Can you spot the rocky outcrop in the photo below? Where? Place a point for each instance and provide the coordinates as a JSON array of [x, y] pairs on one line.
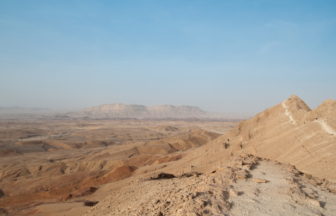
[[229, 189]]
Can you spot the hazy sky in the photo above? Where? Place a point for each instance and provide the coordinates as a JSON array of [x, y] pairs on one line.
[[224, 55]]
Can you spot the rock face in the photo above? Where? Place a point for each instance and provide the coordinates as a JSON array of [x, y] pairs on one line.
[[122, 110]]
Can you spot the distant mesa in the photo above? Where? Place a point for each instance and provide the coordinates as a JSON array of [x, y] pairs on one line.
[[121, 110]]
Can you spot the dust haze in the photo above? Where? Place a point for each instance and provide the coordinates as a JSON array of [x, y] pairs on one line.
[[160, 108]]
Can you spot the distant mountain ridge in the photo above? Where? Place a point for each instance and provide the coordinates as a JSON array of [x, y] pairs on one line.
[[122, 110]]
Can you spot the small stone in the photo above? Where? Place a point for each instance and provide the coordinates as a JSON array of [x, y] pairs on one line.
[[259, 180], [314, 202], [233, 192]]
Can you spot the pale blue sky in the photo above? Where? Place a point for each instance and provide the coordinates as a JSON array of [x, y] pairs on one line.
[[224, 56]]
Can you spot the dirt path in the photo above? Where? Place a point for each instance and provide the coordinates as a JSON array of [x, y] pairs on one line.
[[275, 198]]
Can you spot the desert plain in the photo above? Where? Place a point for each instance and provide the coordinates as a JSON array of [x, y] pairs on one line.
[[107, 161]]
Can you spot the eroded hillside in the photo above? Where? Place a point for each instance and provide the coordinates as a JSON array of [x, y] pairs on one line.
[[289, 132], [64, 161]]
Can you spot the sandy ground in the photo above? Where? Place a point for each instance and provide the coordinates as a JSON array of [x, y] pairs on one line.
[[273, 198]]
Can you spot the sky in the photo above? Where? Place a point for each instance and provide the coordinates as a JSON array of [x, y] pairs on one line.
[[220, 55]]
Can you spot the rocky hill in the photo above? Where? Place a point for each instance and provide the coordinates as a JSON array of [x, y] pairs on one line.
[[122, 110], [289, 132]]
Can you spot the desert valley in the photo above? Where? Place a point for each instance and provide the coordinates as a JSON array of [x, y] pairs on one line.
[[169, 160], [167, 108]]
